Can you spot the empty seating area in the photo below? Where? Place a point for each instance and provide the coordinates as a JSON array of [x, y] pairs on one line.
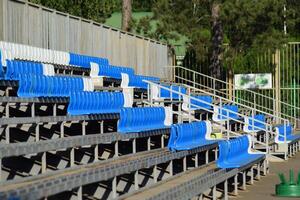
[[102, 131]]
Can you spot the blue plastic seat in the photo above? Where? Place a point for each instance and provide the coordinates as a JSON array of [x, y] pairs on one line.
[[164, 93], [202, 105], [15, 68], [48, 86], [188, 136], [258, 122], [138, 81], [84, 60], [141, 119], [287, 130], [114, 71], [228, 110], [1, 67], [95, 103], [235, 153], [24, 84]]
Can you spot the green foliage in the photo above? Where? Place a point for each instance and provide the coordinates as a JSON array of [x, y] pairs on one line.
[[177, 19], [97, 10], [251, 27], [293, 18], [142, 5]]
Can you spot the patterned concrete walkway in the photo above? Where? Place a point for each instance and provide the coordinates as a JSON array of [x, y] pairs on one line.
[[265, 188]]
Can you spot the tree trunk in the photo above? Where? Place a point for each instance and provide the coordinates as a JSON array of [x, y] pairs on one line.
[[216, 44], [126, 15], [230, 82]]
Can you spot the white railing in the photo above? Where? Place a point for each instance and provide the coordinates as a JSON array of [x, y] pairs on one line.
[[222, 88], [253, 109], [268, 127]]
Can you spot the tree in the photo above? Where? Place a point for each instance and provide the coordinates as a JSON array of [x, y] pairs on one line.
[[97, 10], [251, 27], [126, 15], [215, 66]]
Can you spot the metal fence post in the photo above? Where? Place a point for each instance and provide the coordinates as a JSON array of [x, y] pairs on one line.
[[277, 84]]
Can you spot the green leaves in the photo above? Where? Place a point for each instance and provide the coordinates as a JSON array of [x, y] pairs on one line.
[[97, 10], [250, 27]]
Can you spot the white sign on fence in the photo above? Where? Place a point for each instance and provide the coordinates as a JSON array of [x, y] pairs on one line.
[[253, 81]]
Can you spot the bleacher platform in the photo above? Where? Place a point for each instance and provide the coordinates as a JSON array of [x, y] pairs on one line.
[[76, 126]]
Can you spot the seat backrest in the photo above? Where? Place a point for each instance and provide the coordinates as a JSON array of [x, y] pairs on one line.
[[202, 103], [16, 68], [187, 135], [258, 122], [223, 151], [95, 102], [228, 110], [281, 130], [173, 137], [164, 93], [85, 60], [1, 66], [238, 146], [137, 81], [47, 86], [141, 118], [114, 71]]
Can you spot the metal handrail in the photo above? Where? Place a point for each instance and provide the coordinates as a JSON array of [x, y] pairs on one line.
[[214, 80], [268, 129], [232, 85], [242, 100], [237, 103]]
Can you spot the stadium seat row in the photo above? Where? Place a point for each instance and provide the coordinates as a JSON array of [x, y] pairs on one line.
[[202, 102], [26, 52], [137, 81], [236, 152], [85, 61], [142, 119], [255, 125], [30, 53], [15, 68], [222, 113], [49, 86], [95, 102], [161, 93], [287, 130], [114, 71], [189, 136]]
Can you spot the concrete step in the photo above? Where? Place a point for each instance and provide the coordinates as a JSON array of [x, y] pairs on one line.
[[274, 158]]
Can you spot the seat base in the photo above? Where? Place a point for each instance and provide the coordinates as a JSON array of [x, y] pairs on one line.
[[189, 146], [240, 161]]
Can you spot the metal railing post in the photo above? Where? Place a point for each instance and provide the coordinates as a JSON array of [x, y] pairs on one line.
[[190, 101], [285, 144], [214, 86], [228, 125], [194, 77]]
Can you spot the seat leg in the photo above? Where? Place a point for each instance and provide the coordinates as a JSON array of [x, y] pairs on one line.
[[258, 171], [235, 192], [214, 193], [244, 180], [252, 176], [226, 189]]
